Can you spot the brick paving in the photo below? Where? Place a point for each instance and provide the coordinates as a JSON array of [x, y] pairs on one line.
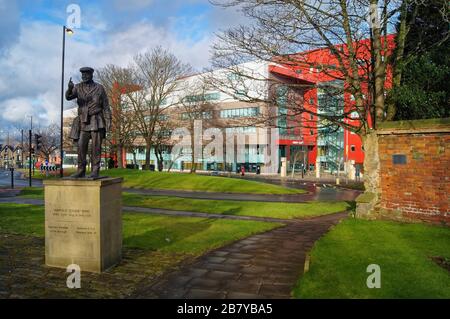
[[23, 273], [262, 266]]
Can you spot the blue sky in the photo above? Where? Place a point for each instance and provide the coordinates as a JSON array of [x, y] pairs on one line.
[[111, 32]]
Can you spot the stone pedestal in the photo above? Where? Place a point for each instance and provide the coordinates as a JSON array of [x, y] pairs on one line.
[[83, 223]]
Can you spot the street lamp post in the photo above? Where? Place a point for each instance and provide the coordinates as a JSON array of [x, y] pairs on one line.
[[69, 31], [29, 150]]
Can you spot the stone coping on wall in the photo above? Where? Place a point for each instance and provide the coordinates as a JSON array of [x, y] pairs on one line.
[[414, 126]]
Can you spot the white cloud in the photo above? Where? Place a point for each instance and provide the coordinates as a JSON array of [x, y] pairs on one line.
[[14, 109], [31, 69]]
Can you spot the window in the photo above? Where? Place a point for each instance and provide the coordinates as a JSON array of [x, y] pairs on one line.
[[196, 115], [354, 115], [241, 129], [241, 93], [311, 132], [212, 96], [352, 148], [241, 112], [205, 97], [126, 106], [311, 101], [311, 117], [233, 76]]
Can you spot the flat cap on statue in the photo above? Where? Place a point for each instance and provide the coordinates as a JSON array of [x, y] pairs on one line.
[[87, 69]]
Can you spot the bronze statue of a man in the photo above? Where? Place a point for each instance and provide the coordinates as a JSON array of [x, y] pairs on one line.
[[92, 122]]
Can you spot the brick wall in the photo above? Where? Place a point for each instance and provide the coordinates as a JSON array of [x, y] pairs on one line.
[[418, 188]]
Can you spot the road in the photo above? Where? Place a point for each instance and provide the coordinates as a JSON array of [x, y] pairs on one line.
[[5, 179]]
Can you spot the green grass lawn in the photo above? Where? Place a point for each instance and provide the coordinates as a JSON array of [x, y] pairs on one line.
[[241, 208], [403, 251], [47, 175], [32, 192], [185, 181], [194, 182], [187, 235]]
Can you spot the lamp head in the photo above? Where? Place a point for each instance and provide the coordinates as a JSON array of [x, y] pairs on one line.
[[69, 31]]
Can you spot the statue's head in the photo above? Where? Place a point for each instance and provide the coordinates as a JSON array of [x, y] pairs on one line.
[[87, 74]]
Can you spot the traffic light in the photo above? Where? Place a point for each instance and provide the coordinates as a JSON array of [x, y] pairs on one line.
[[38, 141]]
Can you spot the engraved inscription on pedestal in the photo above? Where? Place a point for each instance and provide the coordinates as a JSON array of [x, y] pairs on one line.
[[83, 223]]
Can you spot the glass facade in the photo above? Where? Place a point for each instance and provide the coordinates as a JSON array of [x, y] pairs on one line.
[[282, 92], [241, 112], [330, 137]]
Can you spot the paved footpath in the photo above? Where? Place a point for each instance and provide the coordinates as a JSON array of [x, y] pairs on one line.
[[266, 265], [8, 192]]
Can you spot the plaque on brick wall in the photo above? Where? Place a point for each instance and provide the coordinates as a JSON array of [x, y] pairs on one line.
[[399, 159]]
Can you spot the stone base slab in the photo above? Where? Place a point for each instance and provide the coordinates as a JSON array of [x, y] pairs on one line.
[[83, 223]]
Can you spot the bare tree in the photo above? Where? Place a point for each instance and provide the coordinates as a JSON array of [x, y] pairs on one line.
[[118, 83], [156, 72], [49, 137], [162, 141], [348, 41], [194, 107]]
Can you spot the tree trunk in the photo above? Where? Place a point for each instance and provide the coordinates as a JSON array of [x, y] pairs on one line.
[[148, 148], [170, 166], [119, 156], [379, 76], [371, 163], [193, 165], [159, 158], [398, 63]]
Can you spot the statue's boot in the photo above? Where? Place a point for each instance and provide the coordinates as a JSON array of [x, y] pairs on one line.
[[94, 173], [79, 174]]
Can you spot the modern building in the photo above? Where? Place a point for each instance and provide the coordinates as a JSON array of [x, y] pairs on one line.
[[243, 98]]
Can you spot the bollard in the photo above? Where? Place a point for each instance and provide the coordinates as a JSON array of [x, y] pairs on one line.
[[12, 177]]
